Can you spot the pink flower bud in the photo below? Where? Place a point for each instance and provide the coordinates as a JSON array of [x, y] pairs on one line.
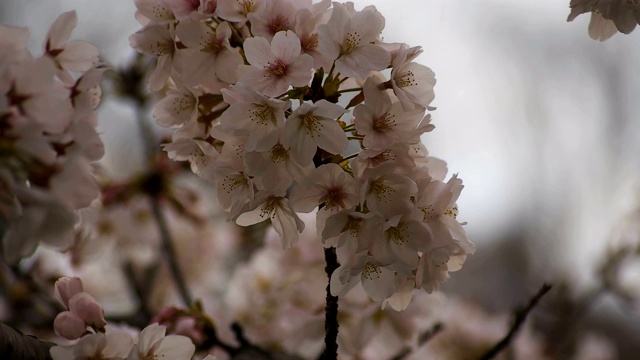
[[66, 287], [68, 325], [188, 327], [86, 308]]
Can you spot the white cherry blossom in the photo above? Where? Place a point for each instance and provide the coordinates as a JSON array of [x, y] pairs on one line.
[[153, 344]]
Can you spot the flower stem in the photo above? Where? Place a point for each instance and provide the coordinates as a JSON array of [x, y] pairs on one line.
[[350, 156], [350, 90], [170, 252], [331, 309]]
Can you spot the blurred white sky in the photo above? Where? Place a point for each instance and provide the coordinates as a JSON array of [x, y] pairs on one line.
[[528, 112]]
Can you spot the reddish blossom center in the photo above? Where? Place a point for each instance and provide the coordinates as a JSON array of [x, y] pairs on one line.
[[384, 123], [277, 69], [279, 23], [309, 43]]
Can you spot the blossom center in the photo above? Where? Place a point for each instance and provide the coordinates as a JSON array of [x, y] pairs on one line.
[[278, 154], [263, 115], [311, 125], [232, 182], [268, 209], [406, 79], [397, 234], [246, 6], [334, 197], [351, 42], [279, 23], [277, 69], [309, 43], [384, 123], [370, 271]]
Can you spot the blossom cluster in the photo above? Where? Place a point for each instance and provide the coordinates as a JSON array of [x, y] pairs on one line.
[[100, 342], [261, 97], [607, 16], [48, 138]]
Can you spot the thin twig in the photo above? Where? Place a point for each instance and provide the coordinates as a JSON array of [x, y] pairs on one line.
[[422, 339], [170, 252], [520, 317], [331, 309]]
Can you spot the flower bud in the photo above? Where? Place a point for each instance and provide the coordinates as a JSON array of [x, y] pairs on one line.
[[86, 308], [68, 325], [66, 288]]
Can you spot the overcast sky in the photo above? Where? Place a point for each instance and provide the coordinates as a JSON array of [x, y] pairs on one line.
[[540, 121]]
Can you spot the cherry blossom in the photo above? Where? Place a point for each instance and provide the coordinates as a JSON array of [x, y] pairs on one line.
[[276, 66], [156, 40], [76, 55], [152, 343], [112, 345], [206, 47], [412, 82], [349, 38], [275, 206], [314, 125], [330, 186]]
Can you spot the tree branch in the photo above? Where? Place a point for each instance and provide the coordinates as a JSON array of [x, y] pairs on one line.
[[520, 317], [17, 346], [331, 309]]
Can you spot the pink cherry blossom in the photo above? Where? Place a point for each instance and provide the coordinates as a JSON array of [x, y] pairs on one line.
[[383, 123], [412, 82], [207, 51], [276, 16], [68, 55], [275, 206], [237, 10], [314, 125], [156, 40], [350, 38], [329, 185], [276, 66], [255, 116]]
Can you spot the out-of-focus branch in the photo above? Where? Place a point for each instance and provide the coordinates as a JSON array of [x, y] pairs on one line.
[[170, 252], [15, 345], [422, 339], [520, 317]]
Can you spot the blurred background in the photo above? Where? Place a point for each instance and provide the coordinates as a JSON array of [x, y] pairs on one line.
[[541, 123]]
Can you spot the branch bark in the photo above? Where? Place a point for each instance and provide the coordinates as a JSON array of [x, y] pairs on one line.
[[17, 346]]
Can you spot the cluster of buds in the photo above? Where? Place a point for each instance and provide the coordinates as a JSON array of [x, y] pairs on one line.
[[48, 138], [85, 322], [288, 107], [82, 310], [607, 16]]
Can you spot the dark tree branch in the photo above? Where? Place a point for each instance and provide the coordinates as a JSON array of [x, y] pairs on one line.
[[15, 345], [520, 317], [331, 309]]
